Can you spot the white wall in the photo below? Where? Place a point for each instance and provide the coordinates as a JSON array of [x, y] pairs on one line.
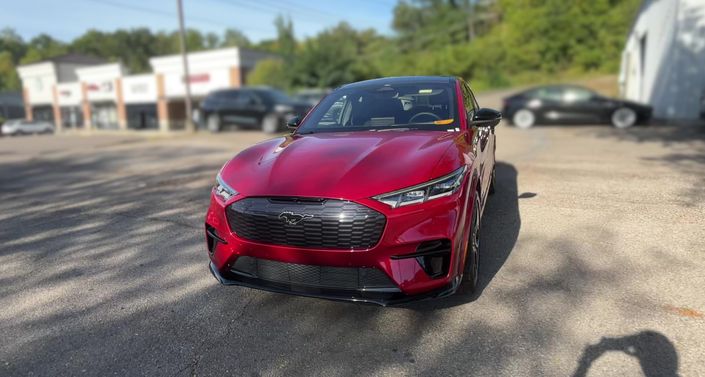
[[38, 79], [208, 70], [671, 76], [202, 82], [69, 94], [100, 81], [139, 89]]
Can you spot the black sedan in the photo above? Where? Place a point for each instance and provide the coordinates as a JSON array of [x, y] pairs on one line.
[[571, 104], [249, 107]]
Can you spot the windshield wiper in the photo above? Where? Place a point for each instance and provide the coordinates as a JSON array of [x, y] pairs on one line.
[[390, 129]]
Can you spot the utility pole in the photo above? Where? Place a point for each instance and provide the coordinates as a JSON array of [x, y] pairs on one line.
[[187, 82]]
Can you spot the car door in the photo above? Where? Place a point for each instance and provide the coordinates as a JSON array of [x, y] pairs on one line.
[[581, 106], [483, 142], [243, 110], [545, 103]]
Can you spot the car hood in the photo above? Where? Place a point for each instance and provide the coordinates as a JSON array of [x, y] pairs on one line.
[[343, 165]]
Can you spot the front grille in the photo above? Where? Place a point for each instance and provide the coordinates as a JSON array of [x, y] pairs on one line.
[[326, 277], [310, 223]]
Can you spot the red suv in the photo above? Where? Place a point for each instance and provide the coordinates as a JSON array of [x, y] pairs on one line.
[[376, 196]]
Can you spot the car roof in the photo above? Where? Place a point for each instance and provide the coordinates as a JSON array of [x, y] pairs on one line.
[[559, 86], [402, 80]]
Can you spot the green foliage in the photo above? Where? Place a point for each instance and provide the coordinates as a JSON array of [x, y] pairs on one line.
[[235, 38], [8, 73], [270, 72], [490, 42]]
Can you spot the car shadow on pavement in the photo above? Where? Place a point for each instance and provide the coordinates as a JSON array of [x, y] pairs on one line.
[[500, 229], [655, 352]]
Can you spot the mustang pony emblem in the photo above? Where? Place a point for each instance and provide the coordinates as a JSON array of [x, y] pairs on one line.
[[293, 218]]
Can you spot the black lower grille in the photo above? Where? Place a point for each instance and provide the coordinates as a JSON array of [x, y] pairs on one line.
[[312, 223], [344, 278]]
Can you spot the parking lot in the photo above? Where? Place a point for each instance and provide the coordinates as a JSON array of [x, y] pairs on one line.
[[592, 263]]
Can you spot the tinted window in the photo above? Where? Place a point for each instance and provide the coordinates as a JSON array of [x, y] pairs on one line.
[[246, 98], [469, 100], [229, 95], [549, 93], [574, 94], [407, 106], [278, 96]]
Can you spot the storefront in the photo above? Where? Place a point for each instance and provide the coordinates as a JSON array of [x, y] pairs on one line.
[[208, 71], [102, 91], [69, 99], [75, 91], [139, 94], [38, 82]]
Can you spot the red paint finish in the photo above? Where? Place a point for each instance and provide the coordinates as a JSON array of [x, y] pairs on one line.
[[357, 166]]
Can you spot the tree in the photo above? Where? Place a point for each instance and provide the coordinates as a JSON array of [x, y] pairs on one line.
[[42, 47], [8, 73], [11, 42], [235, 38], [286, 41], [270, 72]]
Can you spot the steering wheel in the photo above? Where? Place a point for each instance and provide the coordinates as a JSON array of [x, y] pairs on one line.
[[434, 116]]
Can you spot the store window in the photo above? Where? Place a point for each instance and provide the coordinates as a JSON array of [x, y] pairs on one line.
[[104, 116]]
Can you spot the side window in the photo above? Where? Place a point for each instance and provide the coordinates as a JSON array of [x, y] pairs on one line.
[[244, 99], [469, 100], [335, 114], [549, 93], [576, 95], [226, 98]]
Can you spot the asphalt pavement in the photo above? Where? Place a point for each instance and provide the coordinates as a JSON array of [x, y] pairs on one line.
[[592, 264]]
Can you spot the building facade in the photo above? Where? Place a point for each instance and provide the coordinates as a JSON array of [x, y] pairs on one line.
[[95, 95], [40, 81], [663, 62]]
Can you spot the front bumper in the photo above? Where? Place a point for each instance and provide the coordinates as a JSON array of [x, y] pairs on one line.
[[406, 231], [368, 297]]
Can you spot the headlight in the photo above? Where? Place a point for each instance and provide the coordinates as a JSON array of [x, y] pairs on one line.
[[222, 189], [430, 190]]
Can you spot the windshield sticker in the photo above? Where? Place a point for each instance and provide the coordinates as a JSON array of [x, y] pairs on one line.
[[443, 122]]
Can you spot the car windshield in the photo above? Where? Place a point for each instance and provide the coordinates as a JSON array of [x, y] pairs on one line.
[[382, 107]]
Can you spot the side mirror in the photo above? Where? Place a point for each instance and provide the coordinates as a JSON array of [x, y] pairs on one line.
[[293, 123], [485, 117]]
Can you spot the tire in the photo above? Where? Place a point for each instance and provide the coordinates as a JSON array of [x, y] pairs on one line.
[[623, 117], [524, 118], [472, 260], [270, 124], [493, 181], [213, 123]]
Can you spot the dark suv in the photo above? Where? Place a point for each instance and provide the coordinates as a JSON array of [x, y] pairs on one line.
[[264, 108]]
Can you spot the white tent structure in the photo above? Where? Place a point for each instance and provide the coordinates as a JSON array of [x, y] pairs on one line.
[[663, 62]]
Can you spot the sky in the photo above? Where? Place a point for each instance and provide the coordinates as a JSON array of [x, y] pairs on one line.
[[67, 19]]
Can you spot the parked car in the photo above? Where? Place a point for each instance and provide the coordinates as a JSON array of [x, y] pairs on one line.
[[311, 96], [571, 104], [22, 126], [264, 108], [376, 196]]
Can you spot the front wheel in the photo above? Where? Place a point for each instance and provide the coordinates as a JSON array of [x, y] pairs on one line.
[[623, 117], [524, 119], [472, 259]]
